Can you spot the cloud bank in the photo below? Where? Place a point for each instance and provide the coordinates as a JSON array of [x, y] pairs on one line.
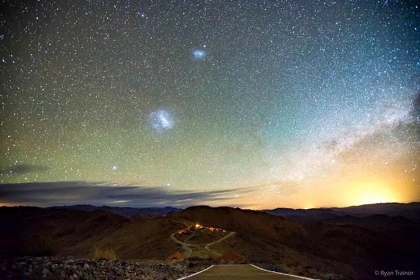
[[69, 193], [22, 169]]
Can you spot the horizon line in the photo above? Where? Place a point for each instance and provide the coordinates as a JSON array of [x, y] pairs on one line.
[[203, 205]]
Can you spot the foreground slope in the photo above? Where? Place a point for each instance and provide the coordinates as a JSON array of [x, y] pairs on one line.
[[37, 231]]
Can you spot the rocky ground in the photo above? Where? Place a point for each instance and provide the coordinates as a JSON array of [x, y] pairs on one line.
[[54, 268]]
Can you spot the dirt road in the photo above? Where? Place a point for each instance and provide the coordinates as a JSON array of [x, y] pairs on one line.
[[188, 250], [217, 241], [239, 272], [185, 246]]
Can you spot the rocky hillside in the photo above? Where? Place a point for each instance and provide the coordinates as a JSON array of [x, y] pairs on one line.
[[53, 268]]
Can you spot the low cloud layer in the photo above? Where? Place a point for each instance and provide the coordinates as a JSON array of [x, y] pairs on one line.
[[22, 169], [69, 193]]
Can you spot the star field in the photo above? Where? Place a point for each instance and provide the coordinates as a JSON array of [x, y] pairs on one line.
[[264, 103]]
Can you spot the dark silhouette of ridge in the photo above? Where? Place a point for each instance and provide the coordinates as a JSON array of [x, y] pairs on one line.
[[407, 210], [129, 212]]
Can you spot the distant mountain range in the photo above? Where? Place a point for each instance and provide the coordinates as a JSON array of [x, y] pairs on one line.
[[406, 210], [128, 212]]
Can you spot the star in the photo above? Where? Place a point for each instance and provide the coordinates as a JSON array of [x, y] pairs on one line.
[[214, 96], [141, 15]]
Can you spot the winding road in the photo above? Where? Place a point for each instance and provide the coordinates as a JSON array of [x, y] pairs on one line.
[[188, 250], [217, 241], [185, 246], [231, 272]]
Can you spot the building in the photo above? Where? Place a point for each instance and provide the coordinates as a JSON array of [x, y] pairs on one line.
[[177, 256]]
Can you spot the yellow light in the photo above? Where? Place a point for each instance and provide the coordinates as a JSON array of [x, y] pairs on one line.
[[373, 192], [197, 225], [308, 206], [371, 198]]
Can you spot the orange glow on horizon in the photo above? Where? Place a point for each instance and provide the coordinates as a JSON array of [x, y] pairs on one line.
[[7, 204], [373, 192], [341, 192]]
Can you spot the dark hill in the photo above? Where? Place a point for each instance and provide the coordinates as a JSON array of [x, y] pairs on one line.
[[38, 231]]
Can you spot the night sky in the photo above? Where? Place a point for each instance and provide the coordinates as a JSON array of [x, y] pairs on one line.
[[258, 104]]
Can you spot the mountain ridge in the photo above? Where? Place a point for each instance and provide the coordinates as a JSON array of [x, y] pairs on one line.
[[123, 211]]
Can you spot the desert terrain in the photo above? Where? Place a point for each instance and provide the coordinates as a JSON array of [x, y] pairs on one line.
[[334, 243]]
